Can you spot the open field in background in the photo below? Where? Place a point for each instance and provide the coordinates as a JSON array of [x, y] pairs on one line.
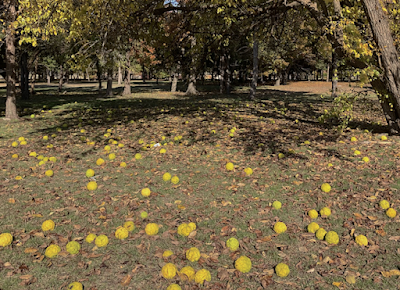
[[200, 135]]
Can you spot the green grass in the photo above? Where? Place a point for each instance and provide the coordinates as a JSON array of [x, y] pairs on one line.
[[222, 204]]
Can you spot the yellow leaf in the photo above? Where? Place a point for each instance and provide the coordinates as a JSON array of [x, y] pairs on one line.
[[337, 284], [11, 200], [351, 279], [391, 273]]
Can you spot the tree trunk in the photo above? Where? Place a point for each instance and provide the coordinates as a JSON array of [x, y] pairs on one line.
[[334, 74], [143, 74], [327, 73], [278, 80], [127, 75], [87, 75], [222, 75], [174, 82], [228, 75], [60, 79], [119, 75], [389, 84], [109, 92], [11, 106], [48, 76], [98, 72], [191, 90], [33, 82], [24, 85]]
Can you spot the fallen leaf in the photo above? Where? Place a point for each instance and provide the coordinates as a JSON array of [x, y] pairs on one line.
[[391, 273], [30, 250], [351, 279], [126, 280]]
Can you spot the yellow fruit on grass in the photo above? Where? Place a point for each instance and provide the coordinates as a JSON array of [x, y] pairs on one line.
[[169, 271], [384, 204], [353, 139], [332, 238], [229, 166], [248, 171], [167, 253], [33, 154], [313, 213], [325, 187], [232, 244], [312, 227], [92, 185], [138, 156], [75, 286], [151, 229], [14, 156], [192, 226], [174, 287], [111, 156], [383, 138], [129, 225], [146, 192], [175, 179], [184, 230], [362, 240], [121, 233], [89, 173], [53, 159], [391, 212], [52, 251], [365, 159], [101, 241], [48, 225], [122, 164], [187, 273], [280, 227], [100, 161], [143, 214], [326, 211], [90, 238], [281, 155], [282, 270], [163, 151], [49, 173], [320, 234], [20, 139], [5, 239], [14, 144], [193, 254], [356, 152], [73, 247], [107, 148], [202, 275], [277, 204], [243, 264], [166, 176]]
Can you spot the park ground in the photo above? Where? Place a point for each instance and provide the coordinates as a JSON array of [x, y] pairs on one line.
[[278, 136]]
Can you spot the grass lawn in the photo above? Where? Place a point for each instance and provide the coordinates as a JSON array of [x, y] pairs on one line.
[[278, 136]]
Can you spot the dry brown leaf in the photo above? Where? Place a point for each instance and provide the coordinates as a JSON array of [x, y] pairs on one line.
[[126, 280], [395, 238], [30, 250], [26, 277], [357, 215]]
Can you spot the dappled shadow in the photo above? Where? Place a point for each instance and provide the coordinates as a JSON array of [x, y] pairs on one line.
[[274, 123]]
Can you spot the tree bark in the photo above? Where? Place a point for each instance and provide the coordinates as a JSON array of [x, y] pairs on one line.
[[33, 82], [334, 74], [24, 75], [119, 75], [327, 73], [174, 82], [253, 86], [191, 90], [109, 92], [99, 72], [127, 75], [389, 84], [222, 75], [143, 74], [60, 78], [11, 102]]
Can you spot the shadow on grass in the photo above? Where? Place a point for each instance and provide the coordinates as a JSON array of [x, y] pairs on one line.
[[295, 113]]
